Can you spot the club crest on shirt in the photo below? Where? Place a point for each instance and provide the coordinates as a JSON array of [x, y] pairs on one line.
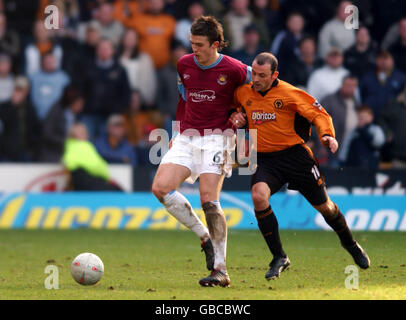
[[278, 104], [222, 79], [248, 103]]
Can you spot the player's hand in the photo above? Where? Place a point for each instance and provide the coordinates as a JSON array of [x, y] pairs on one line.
[[330, 142], [238, 119]]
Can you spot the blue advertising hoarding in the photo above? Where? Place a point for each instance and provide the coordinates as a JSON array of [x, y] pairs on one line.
[[141, 210]]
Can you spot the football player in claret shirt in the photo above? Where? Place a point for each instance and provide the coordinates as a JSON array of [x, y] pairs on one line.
[[207, 80], [282, 115]]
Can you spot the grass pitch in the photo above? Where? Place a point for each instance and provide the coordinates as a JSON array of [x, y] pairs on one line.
[[153, 265]]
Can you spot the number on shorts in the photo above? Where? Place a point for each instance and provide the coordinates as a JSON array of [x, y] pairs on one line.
[[217, 158], [316, 172]]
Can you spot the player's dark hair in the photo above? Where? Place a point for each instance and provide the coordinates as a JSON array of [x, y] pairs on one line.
[[208, 26], [267, 58]]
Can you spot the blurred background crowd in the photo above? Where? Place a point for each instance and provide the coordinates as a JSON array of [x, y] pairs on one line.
[[107, 76]]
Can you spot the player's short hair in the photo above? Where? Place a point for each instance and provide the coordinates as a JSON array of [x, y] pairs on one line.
[[208, 26], [267, 58]]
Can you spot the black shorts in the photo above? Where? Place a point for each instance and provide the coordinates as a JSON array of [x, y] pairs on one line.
[[296, 167]]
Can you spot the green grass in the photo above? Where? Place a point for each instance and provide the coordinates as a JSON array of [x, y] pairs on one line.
[[149, 264]]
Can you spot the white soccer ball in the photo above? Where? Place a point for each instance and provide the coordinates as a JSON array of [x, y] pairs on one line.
[[87, 269]]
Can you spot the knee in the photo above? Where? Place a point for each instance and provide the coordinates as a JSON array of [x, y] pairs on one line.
[[206, 197], [160, 190], [260, 197], [327, 209]]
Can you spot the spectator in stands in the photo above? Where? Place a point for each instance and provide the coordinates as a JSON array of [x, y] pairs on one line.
[[19, 126], [41, 45], [235, 20], [286, 43], [20, 16], [392, 120], [268, 18], [106, 88], [182, 30], [79, 60], [328, 79], [47, 85], [251, 46], [387, 14], [316, 12], [126, 10], [139, 66], [342, 107], [155, 30], [114, 146], [361, 146], [6, 78], [135, 118], [334, 33], [398, 48], [108, 26], [382, 84], [167, 93], [298, 71], [57, 124], [88, 170], [360, 58], [9, 42]]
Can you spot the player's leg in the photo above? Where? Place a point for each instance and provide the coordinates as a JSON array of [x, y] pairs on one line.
[[168, 178], [210, 186], [308, 180], [262, 182], [335, 219]]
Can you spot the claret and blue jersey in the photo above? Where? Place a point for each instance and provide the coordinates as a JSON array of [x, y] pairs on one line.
[[207, 91]]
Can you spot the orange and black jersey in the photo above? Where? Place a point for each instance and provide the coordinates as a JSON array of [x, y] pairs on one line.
[[282, 116]]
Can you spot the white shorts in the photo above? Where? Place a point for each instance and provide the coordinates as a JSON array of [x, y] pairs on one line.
[[202, 154]]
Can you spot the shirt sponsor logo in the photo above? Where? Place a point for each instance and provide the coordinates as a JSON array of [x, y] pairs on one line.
[[203, 96], [259, 117]]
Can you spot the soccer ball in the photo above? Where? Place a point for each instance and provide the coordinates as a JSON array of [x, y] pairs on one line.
[[87, 269]]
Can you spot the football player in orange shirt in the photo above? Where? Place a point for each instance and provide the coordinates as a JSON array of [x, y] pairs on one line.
[[282, 115]]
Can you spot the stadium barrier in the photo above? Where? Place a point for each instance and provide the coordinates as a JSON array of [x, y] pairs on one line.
[[142, 211], [46, 177]]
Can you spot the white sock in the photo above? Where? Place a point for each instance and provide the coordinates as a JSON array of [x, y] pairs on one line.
[[219, 239], [178, 206]]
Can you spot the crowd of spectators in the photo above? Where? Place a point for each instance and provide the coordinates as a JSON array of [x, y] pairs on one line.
[[110, 69]]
